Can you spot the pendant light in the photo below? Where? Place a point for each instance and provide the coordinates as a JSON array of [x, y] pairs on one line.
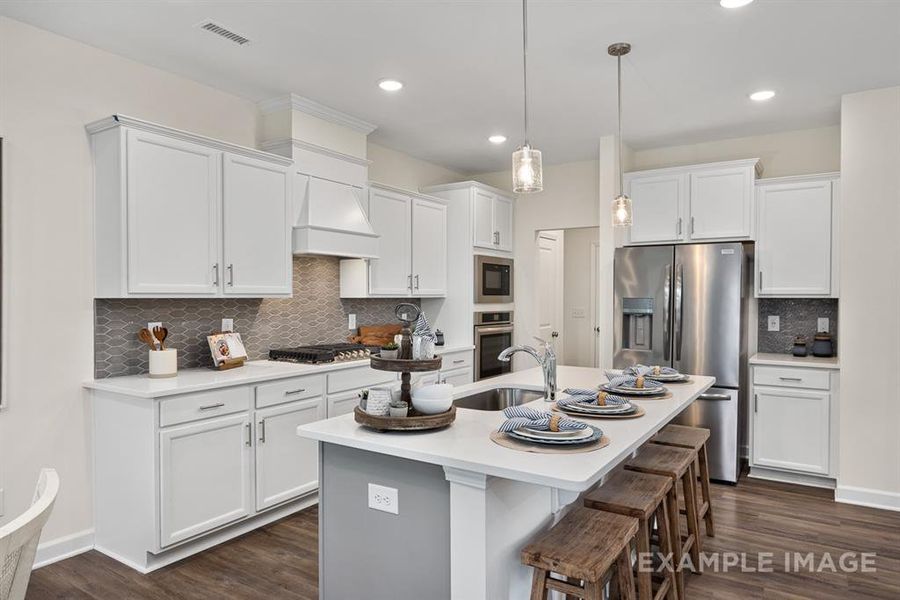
[[526, 161], [621, 206]]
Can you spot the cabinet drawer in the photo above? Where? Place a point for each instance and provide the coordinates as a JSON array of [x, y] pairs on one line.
[[288, 390], [203, 405], [457, 360], [816, 379], [357, 378]]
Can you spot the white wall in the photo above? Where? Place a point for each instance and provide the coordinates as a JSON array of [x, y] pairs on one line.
[[579, 335], [404, 171], [870, 298]]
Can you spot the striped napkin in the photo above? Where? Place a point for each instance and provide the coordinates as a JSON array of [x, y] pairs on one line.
[[632, 381], [591, 397], [520, 416], [651, 371]]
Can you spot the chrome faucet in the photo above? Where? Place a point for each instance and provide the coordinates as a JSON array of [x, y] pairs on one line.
[[547, 360]]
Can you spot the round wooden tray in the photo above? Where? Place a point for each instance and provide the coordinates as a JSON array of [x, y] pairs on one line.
[[405, 365], [412, 423]]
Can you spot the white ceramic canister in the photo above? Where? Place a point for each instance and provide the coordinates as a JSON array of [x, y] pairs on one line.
[[163, 363], [378, 403]]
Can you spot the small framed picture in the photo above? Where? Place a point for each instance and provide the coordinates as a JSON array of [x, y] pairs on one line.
[[226, 348]]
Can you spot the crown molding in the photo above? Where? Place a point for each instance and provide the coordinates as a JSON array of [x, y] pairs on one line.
[[280, 145], [311, 107], [461, 185]]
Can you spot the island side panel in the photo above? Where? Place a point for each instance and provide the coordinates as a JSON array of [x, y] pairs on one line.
[[365, 553]]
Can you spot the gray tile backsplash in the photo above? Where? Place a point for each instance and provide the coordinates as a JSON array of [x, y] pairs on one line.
[[315, 314], [798, 317]]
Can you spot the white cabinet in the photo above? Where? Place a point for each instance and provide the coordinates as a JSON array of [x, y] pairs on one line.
[[391, 218], [457, 376], [181, 215], [204, 471], [492, 220], [797, 240], [692, 204], [342, 403], [429, 248], [287, 466]]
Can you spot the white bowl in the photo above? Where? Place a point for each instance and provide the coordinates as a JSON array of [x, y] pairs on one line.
[[432, 405], [434, 391]]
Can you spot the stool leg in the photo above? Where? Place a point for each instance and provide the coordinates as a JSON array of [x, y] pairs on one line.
[[593, 591], [704, 484], [624, 575], [645, 584], [675, 536], [688, 483], [538, 587], [665, 546]]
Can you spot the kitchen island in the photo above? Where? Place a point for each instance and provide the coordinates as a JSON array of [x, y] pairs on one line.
[[464, 505]]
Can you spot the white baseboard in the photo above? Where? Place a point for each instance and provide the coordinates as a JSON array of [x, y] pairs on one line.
[[791, 477], [849, 494], [67, 546]]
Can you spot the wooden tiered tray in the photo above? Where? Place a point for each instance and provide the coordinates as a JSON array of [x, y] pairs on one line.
[[405, 366]]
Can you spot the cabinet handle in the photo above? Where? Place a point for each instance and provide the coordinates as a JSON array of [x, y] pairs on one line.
[[216, 277], [249, 441], [692, 225], [459, 362], [417, 282], [230, 274], [791, 378], [292, 392], [679, 227], [262, 431], [755, 402], [409, 285], [212, 406], [760, 280]]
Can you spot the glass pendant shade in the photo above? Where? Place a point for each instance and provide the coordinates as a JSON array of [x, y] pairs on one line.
[[527, 171], [621, 211]]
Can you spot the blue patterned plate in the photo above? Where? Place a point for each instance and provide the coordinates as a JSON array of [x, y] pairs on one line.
[[596, 435]]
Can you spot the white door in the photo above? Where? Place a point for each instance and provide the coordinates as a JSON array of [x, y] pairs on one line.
[[503, 223], [483, 219], [390, 215], [791, 430], [173, 216], [256, 211], [721, 204], [287, 466], [429, 248], [343, 403], [204, 472], [657, 203], [550, 289], [793, 246]]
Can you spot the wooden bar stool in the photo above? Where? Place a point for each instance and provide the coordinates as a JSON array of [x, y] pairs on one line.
[[583, 547], [642, 496], [676, 464], [695, 439]]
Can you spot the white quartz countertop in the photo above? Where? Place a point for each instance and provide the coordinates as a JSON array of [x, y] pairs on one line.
[[196, 380], [466, 444], [789, 360]]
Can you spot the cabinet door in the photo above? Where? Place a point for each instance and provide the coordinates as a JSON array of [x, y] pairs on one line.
[[287, 466], [390, 215], [791, 430], [204, 471], [343, 403], [429, 248], [721, 204], [503, 223], [656, 203], [457, 376], [173, 216], [256, 216], [793, 247], [483, 219]]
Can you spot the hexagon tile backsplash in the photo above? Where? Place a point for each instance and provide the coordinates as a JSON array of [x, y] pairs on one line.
[[315, 314]]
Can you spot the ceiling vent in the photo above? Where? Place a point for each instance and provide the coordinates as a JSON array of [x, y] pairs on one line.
[[213, 27]]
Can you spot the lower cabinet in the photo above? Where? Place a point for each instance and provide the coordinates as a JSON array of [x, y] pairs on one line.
[[457, 376]]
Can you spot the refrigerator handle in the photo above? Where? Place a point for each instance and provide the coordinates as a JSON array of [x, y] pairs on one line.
[[667, 332], [679, 305]]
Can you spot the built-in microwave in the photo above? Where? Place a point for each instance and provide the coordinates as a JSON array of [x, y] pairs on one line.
[[493, 280]]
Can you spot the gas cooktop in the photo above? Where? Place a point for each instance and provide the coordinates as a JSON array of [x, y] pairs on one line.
[[321, 353]]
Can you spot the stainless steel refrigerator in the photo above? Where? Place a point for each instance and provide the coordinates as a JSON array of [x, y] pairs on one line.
[[686, 306]]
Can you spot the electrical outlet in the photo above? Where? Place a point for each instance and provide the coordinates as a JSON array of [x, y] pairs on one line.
[[351, 321], [384, 499], [774, 323], [227, 325], [822, 324], [153, 324]]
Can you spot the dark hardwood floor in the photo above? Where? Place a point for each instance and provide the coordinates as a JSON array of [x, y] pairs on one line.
[[280, 561]]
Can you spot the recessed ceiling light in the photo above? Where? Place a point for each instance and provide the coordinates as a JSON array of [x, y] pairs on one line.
[[497, 139], [734, 3], [390, 85], [762, 95]]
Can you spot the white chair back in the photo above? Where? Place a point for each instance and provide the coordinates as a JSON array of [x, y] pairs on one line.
[[19, 538]]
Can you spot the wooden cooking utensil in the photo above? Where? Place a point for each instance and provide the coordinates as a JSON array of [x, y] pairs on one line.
[[145, 336], [161, 333]]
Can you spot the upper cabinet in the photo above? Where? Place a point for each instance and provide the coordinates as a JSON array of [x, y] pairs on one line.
[[492, 220], [181, 215], [797, 236], [711, 202]]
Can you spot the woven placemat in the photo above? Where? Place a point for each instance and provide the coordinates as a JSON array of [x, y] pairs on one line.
[[640, 412], [501, 439]]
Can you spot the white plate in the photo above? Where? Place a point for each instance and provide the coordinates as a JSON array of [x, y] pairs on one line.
[[658, 391], [669, 377], [600, 410], [575, 434]]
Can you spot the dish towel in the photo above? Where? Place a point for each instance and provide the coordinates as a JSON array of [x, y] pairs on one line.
[[634, 382], [592, 397], [423, 329], [649, 371], [519, 416]]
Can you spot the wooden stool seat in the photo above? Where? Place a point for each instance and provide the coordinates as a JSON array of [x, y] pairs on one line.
[[682, 436], [662, 460], [583, 546]]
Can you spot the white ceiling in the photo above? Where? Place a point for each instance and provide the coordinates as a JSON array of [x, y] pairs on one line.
[[686, 81]]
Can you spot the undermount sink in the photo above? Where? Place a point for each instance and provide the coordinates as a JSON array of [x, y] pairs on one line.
[[498, 398]]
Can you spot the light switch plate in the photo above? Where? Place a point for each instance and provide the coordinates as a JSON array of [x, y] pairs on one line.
[[351, 321], [227, 325], [774, 323], [578, 312], [384, 499], [822, 324]]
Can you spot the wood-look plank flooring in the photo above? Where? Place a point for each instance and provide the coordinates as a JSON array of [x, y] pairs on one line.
[[280, 560]]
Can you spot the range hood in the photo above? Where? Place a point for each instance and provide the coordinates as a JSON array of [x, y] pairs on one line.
[[331, 219]]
